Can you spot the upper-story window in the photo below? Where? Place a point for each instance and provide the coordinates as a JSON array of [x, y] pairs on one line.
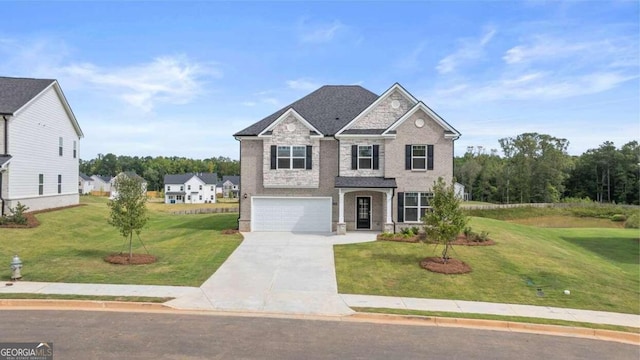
[[75, 149], [212, 188], [419, 157], [188, 187], [60, 146], [168, 187], [181, 187], [200, 187], [364, 157], [292, 157]]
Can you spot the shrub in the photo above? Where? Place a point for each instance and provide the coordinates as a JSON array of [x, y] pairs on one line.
[[415, 230], [468, 233], [18, 214], [406, 231], [618, 217], [387, 235], [633, 221], [484, 236]]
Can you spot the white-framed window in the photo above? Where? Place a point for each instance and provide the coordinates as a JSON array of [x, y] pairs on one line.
[[188, 197], [199, 197], [188, 187], [179, 197], [212, 197], [418, 157], [75, 149], [181, 187], [168, 187], [200, 187], [365, 157], [291, 157], [416, 204], [40, 184], [60, 146], [170, 197], [212, 188], [59, 184]]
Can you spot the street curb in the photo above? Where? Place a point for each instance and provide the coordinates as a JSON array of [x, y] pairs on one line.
[[26, 304], [414, 320], [499, 325]]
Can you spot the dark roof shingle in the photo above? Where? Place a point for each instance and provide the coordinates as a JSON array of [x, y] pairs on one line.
[[207, 178], [16, 92], [328, 109]]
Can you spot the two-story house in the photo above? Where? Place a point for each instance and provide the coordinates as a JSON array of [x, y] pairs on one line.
[[343, 158], [101, 183], [198, 188], [130, 174], [39, 145], [230, 185]]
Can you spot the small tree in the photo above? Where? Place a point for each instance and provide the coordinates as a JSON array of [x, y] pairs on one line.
[[128, 208], [447, 220]]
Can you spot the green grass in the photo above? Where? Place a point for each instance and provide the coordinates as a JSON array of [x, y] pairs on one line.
[[599, 267], [85, 297], [521, 319], [69, 246]]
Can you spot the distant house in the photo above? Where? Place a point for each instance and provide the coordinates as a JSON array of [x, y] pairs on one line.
[[130, 174], [190, 188], [459, 191], [230, 186], [101, 183], [85, 184], [39, 145]]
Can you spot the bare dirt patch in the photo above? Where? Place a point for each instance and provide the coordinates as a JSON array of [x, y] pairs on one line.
[[464, 241], [136, 259], [229, 231], [453, 266]]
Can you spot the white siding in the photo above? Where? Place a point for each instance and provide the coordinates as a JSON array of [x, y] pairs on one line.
[[33, 143], [192, 195]]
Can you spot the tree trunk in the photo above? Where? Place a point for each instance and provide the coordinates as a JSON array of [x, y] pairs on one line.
[[130, 247]]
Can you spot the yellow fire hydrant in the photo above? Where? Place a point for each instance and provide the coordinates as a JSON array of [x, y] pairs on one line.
[[16, 266]]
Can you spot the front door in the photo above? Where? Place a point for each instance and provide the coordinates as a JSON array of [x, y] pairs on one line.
[[363, 213]]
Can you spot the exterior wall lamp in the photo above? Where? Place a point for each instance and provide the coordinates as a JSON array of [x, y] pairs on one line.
[[245, 195]]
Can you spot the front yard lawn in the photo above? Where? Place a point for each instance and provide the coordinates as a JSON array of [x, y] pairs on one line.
[[70, 244], [599, 266]]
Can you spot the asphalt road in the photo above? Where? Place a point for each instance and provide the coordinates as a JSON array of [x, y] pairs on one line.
[[116, 335]]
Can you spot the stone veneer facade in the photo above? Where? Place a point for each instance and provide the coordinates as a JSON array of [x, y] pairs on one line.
[[383, 115]]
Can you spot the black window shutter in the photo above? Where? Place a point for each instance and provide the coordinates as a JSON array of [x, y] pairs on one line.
[[429, 157], [354, 157], [274, 150], [407, 157], [400, 207], [309, 157], [376, 162]]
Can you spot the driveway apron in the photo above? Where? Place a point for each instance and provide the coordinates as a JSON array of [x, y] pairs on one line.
[[277, 272]]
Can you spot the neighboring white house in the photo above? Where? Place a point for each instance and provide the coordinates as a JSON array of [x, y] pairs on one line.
[[190, 188], [131, 174], [85, 184], [230, 186], [101, 183], [39, 145], [458, 189]]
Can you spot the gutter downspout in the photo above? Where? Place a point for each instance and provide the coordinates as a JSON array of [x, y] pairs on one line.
[[6, 150]]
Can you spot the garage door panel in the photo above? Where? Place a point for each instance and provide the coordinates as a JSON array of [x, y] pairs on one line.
[[291, 214]]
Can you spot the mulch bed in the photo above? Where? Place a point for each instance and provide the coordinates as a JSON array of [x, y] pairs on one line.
[[229, 231], [462, 240], [136, 259], [31, 219], [453, 266]]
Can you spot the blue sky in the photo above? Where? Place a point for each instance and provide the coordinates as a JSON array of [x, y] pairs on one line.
[[179, 78]]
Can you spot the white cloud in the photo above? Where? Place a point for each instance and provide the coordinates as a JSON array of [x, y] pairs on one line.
[[174, 80], [320, 33], [302, 84], [469, 50]]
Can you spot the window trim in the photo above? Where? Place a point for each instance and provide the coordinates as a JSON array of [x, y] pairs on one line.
[[419, 206], [291, 157], [40, 184], [370, 157], [59, 183], [414, 157], [75, 152], [60, 146]]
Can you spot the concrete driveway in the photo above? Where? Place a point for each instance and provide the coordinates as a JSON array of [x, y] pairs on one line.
[[277, 272]]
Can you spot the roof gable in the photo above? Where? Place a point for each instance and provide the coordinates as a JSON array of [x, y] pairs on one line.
[[450, 131], [395, 87], [178, 179], [286, 114], [327, 109], [234, 179], [17, 93]]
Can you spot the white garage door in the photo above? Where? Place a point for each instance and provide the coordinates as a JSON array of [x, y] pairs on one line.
[[309, 214]]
